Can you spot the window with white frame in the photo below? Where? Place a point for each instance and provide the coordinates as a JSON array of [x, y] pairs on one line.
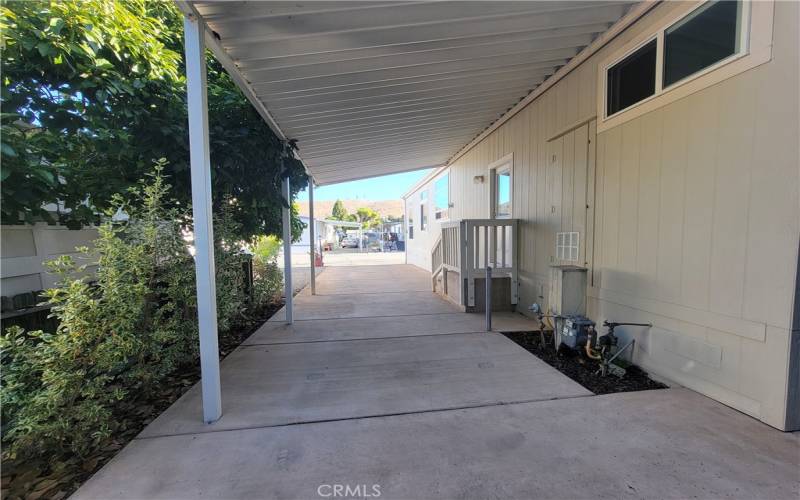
[[441, 197], [710, 34], [502, 191], [684, 55]]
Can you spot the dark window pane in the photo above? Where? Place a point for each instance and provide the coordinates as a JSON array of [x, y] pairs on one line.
[[632, 79], [705, 37]]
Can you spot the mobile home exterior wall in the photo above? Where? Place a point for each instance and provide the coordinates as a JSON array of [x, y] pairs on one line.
[[687, 214], [421, 198]]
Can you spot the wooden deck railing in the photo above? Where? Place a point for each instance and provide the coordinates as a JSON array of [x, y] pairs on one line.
[[468, 246], [436, 261]]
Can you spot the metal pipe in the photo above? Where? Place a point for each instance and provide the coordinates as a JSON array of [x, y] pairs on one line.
[[287, 253], [503, 235], [603, 371], [488, 298], [312, 242], [616, 355], [486, 247], [590, 353]]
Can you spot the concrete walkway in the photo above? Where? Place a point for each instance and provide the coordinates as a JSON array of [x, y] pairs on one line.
[[380, 385]]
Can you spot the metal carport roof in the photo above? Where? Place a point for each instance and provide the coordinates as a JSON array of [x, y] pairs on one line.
[[372, 88]]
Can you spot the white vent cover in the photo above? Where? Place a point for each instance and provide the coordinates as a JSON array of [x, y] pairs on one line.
[[567, 245]]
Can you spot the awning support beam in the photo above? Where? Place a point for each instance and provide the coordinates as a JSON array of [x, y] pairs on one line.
[[287, 252], [312, 243], [199, 150]]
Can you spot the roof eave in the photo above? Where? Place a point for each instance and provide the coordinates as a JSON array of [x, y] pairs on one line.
[[225, 60]]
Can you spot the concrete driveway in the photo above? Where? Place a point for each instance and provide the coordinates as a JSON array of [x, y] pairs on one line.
[[385, 388]]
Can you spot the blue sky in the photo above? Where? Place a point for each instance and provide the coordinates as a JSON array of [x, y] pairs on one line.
[[388, 187]]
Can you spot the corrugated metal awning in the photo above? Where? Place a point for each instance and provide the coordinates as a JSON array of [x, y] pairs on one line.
[[371, 88]]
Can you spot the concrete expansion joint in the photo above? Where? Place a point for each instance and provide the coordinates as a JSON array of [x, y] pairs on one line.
[[397, 337], [370, 417], [376, 318]]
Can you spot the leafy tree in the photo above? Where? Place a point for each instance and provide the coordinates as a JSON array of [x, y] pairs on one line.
[[368, 217], [93, 91], [339, 212], [79, 81], [248, 161]]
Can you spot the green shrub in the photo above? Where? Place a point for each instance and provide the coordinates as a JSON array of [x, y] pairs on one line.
[[228, 259], [267, 281], [267, 276], [266, 248], [123, 333], [121, 336]]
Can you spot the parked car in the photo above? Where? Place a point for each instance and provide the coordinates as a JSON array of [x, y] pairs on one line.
[[350, 242]]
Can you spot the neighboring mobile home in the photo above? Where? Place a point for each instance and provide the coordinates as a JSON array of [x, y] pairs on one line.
[[666, 163]]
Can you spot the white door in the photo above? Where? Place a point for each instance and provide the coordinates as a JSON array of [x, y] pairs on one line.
[[570, 181], [501, 206], [501, 188]]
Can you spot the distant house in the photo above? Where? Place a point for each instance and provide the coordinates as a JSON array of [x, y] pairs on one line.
[[326, 232]]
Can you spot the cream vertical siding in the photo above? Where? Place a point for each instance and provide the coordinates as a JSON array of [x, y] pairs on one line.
[[688, 215]]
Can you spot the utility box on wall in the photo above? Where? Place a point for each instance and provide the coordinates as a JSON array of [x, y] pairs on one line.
[[568, 290]]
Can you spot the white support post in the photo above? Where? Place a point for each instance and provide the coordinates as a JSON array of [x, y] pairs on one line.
[[203, 221], [312, 243], [468, 260], [514, 262], [287, 253]]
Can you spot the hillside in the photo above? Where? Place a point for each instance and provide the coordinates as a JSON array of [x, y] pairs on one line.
[[322, 209]]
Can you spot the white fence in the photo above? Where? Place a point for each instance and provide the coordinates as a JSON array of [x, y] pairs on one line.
[[469, 246], [25, 249]]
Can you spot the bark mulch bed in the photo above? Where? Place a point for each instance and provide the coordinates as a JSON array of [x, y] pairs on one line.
[[60, 479], [581, 369]]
